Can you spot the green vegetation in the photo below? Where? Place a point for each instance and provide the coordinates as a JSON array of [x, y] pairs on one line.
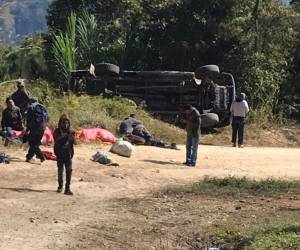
[[284, 235], [64, 49], [273, 228], [276, 229], [226, 213], [257, 41], [239, 187]]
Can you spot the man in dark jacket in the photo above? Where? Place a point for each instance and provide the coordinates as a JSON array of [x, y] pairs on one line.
[[37, 119], [193, 123], [11, 119], [64, 150], [21, 97]]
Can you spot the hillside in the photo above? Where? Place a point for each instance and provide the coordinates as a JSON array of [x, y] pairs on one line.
[[20, 18]]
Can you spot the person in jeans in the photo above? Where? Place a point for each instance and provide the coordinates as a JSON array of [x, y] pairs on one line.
[[239, 109], [193, 123], [64, 140]]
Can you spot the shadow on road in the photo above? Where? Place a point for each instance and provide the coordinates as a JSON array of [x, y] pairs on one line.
[[164, 162], [26, 190]]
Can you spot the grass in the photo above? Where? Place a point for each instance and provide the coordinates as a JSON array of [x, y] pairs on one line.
[[281, 235], [252, 227], [238, 187], [88, 111]]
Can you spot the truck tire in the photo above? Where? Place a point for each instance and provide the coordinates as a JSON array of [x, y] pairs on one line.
[[107, 69], [207, 70], [209, 120]]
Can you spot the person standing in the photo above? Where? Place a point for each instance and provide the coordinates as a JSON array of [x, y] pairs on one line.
[[239, 109], [11, 119], [37, 119], [193, 124], [64, 141], [21, 97]]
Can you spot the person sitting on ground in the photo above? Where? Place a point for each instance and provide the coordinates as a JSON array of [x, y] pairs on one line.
[[37, 119], [239, 109], [64, 139], [21, 97], [11, 120]]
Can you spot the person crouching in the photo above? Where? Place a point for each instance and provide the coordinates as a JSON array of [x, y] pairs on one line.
[[64, 140]]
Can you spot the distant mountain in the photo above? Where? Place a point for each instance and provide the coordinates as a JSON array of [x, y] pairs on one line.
[[19, 18]]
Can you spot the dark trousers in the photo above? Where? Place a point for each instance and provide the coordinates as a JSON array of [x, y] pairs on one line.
[[64, 162], [34, 140], [142, 132], [238, 124]]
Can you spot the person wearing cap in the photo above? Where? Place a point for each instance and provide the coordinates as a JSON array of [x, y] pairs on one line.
[[11, 119], [193, 129], [239, 110], [21, 97]]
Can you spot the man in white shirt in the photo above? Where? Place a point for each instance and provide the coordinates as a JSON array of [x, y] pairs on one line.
[[239, 109]]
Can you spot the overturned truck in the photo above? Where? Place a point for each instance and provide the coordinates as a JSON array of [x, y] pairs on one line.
[[163, 93]]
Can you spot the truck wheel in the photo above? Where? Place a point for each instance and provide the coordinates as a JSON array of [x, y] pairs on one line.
[[207, 71], [209, 120], [107, 69]]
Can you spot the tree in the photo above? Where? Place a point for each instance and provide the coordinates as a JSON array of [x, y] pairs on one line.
[[26, 60], [64, 49]]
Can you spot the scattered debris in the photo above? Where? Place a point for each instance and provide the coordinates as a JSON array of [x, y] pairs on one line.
[[102, 158], [4, 158]]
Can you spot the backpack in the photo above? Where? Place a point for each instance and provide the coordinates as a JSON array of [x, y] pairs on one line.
[[40, 114]]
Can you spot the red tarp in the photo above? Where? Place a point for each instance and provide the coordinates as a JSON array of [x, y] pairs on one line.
[[93, 134], [89, 134], [49, 155], [47, 137]]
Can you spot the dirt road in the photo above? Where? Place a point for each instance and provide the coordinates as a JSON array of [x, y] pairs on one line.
[[33, 216]]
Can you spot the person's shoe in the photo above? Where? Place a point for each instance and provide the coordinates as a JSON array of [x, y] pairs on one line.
[[241, 145], [30, 160], [233, 145], [68, 192], [193, 165], [42, 160], [59, 189]]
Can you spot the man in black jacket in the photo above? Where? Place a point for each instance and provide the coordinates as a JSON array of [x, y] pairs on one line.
[[37, 119]]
